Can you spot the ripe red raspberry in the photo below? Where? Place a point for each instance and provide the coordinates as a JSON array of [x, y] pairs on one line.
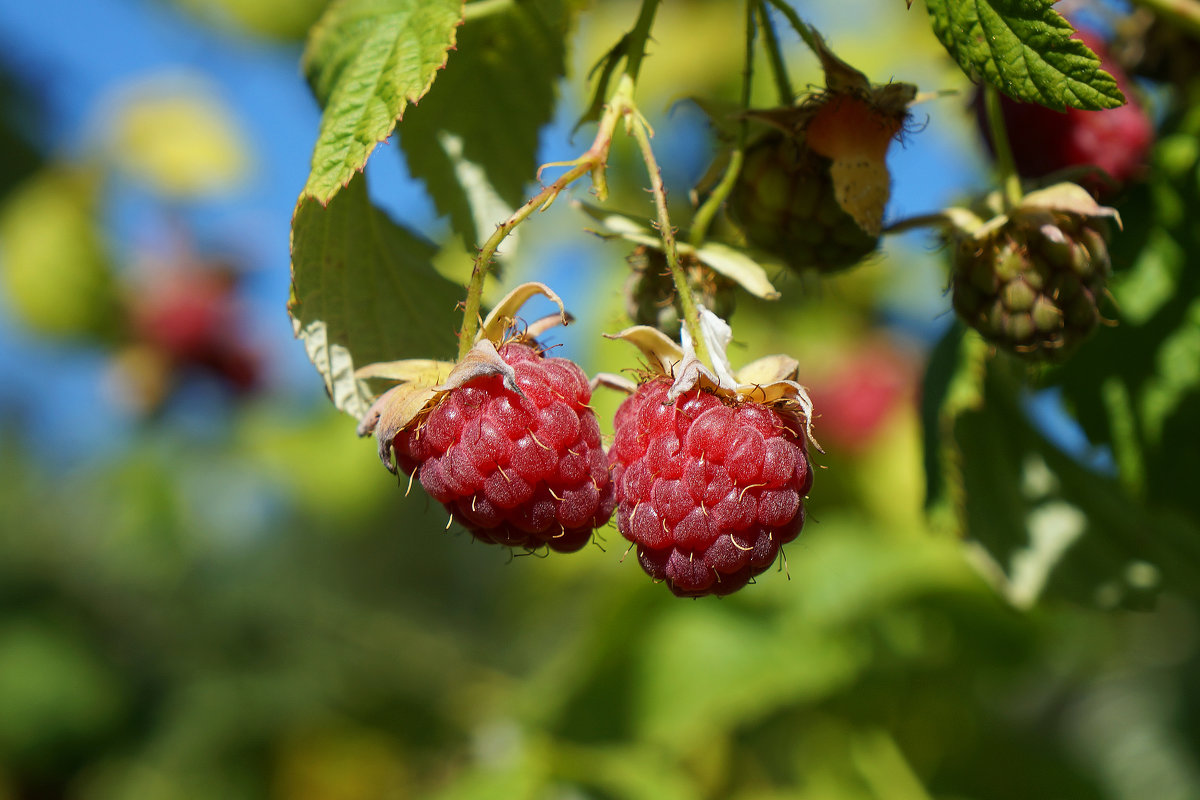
[[707, 490], [523, 471]]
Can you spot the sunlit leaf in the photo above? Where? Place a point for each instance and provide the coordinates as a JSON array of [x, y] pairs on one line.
[[366, 60], [1024, 48]]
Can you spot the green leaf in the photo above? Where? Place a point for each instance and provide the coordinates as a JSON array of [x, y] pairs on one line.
[[1036, 521], [364, 290], [1023, 48], [750, 669], [474, 141], [366, 60], [1136, 385]]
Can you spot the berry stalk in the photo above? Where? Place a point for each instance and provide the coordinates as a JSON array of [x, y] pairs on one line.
[[783, 84], [593, 161], [1010, 180], [691, 315], [708, 209]]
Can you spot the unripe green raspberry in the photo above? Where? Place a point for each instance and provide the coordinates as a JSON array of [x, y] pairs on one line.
[[784, 203], [650, 291], [1032, 285]]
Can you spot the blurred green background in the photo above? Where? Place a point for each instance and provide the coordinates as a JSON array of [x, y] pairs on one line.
[[209, 588]]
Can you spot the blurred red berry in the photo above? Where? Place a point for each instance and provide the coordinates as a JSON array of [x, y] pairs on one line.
[[193, 317], [857, 399]]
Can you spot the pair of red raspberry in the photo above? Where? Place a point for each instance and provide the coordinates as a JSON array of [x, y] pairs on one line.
[[705, 489]]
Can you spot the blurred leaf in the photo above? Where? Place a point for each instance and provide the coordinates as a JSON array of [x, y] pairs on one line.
[[276, 19], [629, 771], [54, 266], [847, 573], [364, 290], [474, 140], [178, 136], [343, 764], [21, 124], [512, 767], [884, 767], [749, 669], [1038, 522], [54, 691], [1024, 48], [953, 383], [326, 473], [366, 60]]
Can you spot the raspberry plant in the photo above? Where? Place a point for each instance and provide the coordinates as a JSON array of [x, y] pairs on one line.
[[802, 186]]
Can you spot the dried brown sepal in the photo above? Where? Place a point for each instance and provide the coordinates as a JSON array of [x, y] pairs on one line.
[[769, 380], [503, 316], [852, 123], [424, 382], [392, 412]]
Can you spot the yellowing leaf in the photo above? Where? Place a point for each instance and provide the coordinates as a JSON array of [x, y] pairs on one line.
[[53, 266]]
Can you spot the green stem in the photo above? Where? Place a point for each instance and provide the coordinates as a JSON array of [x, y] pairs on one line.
[[1184, 14], [638, 37], [783, 84], [591, 161], [1005, 166], [802, 28], [708, 209], [691, 315]]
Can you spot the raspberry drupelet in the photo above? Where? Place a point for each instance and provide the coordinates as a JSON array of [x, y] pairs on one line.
[[708, 488], [520, 469]]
